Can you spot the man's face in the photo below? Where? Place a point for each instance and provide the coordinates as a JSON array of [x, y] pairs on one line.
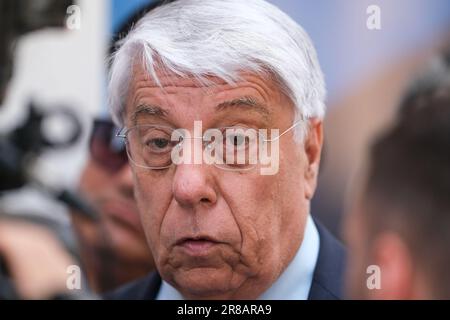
[[216, 233]]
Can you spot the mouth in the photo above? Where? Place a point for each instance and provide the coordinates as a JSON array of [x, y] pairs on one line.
[[197, 246]]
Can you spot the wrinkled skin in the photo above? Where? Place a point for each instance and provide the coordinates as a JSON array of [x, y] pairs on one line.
[[242, 228]]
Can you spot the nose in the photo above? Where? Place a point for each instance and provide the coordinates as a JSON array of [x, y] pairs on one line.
[[193, 186], [124, 181]]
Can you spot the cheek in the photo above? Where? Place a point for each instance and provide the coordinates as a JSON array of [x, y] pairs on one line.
[[272, 208], [282, 208], [153, 196], [291, 180], [257, 215]]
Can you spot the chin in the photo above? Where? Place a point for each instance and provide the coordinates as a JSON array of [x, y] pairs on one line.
[[203, 283]]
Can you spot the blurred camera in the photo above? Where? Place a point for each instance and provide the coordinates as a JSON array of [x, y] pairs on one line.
[[18, 17]]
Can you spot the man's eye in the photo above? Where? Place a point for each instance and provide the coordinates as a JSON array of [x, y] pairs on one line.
[[158, 144], [236, 140]]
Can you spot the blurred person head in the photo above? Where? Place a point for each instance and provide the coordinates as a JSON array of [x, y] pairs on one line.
[[115, 250], [220, 232], [433, 82], [400, 221]]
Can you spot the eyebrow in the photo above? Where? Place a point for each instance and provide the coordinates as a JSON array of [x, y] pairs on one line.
[[246, 102], [147, 109]]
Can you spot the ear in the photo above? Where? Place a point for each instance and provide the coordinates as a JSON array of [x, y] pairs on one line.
[[394, 259], [313, 149]]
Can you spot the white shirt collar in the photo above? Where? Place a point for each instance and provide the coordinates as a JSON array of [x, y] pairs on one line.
[[293, 284]]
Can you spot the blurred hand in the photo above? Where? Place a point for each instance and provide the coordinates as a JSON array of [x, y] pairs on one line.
[[37, 262]]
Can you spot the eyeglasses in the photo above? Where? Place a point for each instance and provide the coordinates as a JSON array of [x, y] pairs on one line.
[[104, 148], [231, 148]]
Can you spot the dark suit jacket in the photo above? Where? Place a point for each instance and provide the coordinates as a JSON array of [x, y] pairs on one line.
[[327, 283]]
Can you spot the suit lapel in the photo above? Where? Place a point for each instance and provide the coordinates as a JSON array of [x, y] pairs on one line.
[[328, 279]]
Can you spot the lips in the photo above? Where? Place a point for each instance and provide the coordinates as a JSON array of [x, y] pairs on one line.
[[198, 245]]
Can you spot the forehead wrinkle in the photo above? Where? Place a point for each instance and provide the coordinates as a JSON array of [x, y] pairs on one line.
[[172, 81], [246, 102], [171, 84], [148, 109]]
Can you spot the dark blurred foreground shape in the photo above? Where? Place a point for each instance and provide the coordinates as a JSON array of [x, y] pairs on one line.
[[33, 253], [108, 243]]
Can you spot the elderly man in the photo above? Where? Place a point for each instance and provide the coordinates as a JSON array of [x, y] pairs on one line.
[[239, 81]]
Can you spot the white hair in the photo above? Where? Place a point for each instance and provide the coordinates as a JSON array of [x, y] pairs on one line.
[[221, 38]]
